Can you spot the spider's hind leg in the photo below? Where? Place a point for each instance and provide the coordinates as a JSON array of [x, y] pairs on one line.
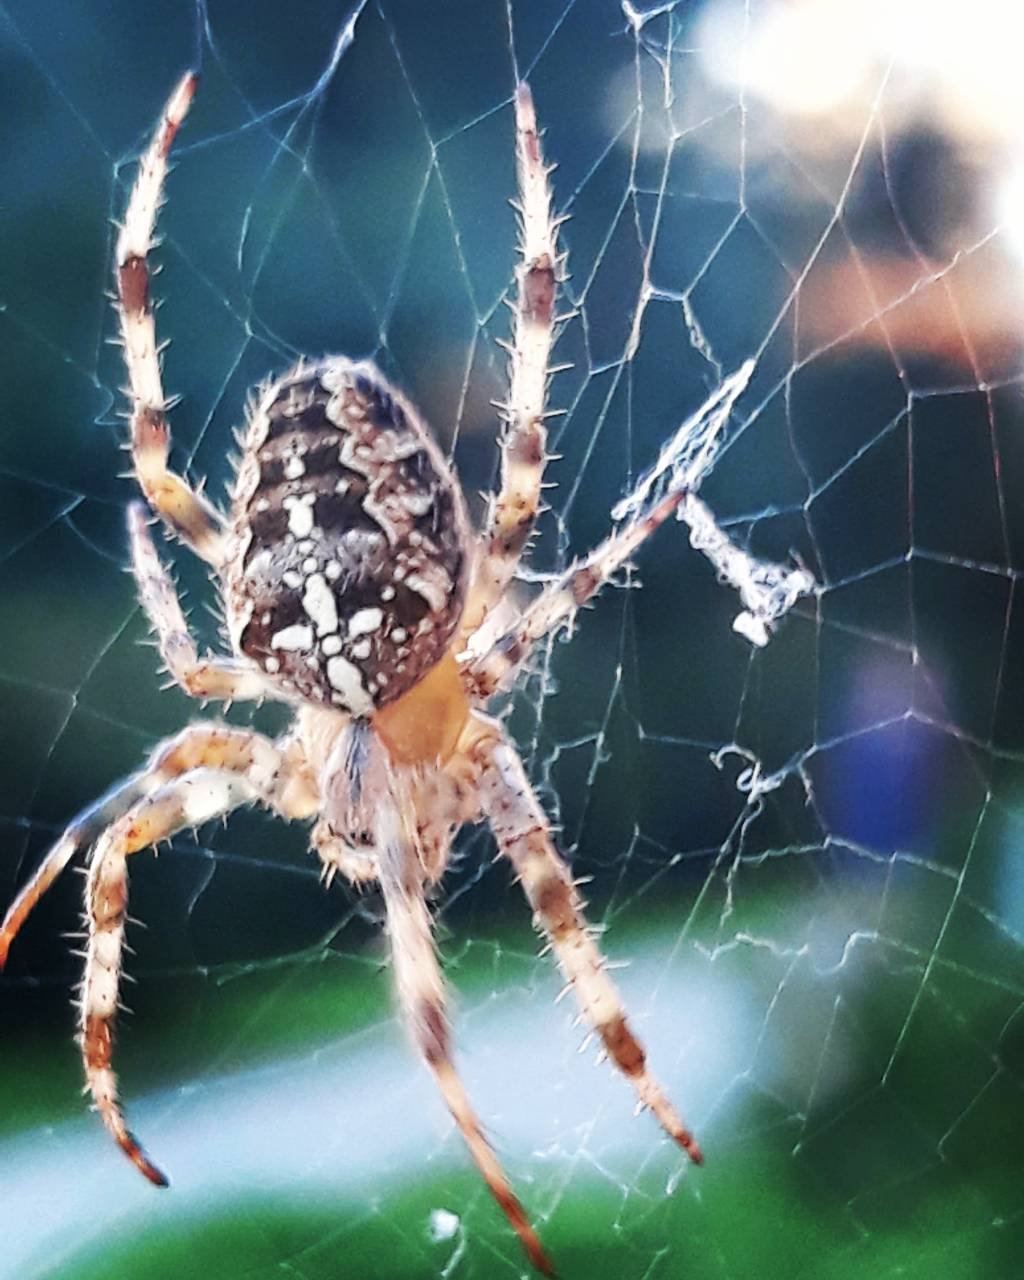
[[83, 831], [188, 801], [420, 987], [521, 830], [210, 745], [204, 772]]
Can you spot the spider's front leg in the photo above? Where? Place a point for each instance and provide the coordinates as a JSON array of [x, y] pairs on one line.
[[420, 986], [513, 511], [203, 773], [521, 830], [185, 512]]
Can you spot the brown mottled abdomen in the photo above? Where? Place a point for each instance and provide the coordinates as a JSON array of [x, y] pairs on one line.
[[350, 543]]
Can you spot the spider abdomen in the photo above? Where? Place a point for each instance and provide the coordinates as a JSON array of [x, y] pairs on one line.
[[347, 573]]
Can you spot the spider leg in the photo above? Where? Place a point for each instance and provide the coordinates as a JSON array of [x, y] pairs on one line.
[[484, 671], [185, 512], [194, 798], [358, 862], [225, 679], [441, 807], [84, 830], [521, 830], [513, 511], [420, 986], [357, 865], [355, 776], [217, 771], [291, 792], [343, 838]]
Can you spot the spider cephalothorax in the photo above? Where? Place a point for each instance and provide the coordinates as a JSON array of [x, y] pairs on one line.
[[355, 592]]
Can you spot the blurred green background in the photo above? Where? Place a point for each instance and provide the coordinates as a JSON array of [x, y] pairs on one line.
[[828, 971]]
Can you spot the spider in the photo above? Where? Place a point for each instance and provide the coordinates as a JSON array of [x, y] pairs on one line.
[[354, 591]]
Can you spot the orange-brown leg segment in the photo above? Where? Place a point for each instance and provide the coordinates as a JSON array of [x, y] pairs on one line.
[[521, 830], [420, 988]]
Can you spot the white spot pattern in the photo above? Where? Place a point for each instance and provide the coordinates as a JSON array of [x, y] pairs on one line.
[[348, 680], [300, 513], [364, 620], [297, 637], [318, 602]]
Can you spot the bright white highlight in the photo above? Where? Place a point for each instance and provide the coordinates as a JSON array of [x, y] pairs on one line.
[[205, 795], [443, 1224], [1010, 208], [825, 60]]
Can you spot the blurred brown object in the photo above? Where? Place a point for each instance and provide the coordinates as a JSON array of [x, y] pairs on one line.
[[968, 311]]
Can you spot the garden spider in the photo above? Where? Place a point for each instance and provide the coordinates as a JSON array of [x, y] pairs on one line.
[[355, 592]]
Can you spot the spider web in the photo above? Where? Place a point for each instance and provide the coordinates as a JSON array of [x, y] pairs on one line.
[[809, 850]]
